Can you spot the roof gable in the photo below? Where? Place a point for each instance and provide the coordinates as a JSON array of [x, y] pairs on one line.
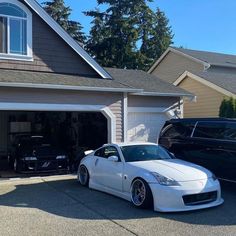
[[175, 50], [36, 7], [223, 83]]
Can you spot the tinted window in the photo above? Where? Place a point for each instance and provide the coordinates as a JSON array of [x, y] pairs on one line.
[[107, 152], [178, 130], [230, 131], [99, 152], [144, 153], [212, 130]]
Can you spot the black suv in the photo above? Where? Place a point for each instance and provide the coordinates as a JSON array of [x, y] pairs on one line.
[[207, 142]]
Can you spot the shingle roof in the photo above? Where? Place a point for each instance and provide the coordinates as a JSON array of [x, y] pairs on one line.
[[141, 80], [211, 58], [223, 80], [133, 80]]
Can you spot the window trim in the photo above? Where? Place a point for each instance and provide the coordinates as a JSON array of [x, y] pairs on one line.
[[18, 57]]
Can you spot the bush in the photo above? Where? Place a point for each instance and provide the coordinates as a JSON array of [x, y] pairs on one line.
[[228, 108]]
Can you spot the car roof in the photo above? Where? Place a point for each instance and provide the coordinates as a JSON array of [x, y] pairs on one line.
[[201, 119]]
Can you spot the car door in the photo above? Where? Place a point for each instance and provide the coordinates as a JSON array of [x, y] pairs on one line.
[[112, 172], [97, 168]]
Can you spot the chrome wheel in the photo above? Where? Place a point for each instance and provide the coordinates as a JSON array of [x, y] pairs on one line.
[[138, 192], [83, 175]]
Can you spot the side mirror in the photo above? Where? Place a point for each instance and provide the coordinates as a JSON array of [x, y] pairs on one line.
[[113, 158]]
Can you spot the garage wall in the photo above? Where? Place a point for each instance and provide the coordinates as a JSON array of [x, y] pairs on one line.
[[112, 100], [151, 101]]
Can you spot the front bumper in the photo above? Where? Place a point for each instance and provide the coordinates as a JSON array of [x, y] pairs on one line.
[[44, 166], [170, 198]]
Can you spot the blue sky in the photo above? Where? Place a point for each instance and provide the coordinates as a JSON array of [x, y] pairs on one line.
[[197, 24]]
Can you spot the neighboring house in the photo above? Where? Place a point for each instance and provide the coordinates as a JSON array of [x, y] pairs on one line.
[[210, 76], [43, 69]]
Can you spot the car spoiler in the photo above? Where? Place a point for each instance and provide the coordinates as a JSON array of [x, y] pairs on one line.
[[88, 152]]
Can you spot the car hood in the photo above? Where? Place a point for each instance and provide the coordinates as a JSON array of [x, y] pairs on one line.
[[174, 168]]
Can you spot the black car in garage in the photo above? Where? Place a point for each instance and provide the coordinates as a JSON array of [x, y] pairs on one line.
[[207, 142], [35, 154]]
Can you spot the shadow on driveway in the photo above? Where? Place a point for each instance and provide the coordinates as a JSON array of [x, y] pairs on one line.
[[68, 199]]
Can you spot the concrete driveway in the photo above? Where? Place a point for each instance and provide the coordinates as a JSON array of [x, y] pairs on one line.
[[60, 206]]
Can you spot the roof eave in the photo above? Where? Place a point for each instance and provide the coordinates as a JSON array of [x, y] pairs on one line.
[[157, 94], [68, 87]]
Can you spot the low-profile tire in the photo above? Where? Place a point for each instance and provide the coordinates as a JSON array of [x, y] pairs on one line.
[[83, 176], [141, 194]]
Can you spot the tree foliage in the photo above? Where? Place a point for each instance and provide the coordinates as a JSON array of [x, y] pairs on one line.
[[228, 108], [128, 34], [61, 13]]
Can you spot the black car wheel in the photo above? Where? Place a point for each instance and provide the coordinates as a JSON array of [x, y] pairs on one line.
[[83, 176], [141, 194]]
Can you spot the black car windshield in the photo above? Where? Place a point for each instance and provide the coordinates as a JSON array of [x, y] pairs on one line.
[[134, 153], [33, 141]]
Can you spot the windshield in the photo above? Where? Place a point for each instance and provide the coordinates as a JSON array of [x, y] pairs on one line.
[[134, 153]]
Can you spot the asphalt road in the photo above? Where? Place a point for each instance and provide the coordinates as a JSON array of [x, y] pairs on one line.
[[60, 206]]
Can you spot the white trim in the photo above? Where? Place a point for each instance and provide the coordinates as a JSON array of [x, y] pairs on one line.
[[170, 49], [67, 38], [12, 56], [125, 116], [205, 82], [66, 87], [163, 94], [147, 109], [5, 106]]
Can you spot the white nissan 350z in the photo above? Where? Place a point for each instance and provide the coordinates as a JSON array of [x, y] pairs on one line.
[[149, 176]]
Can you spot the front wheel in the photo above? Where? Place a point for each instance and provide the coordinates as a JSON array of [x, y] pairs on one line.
[[83, 176], [141, 194]]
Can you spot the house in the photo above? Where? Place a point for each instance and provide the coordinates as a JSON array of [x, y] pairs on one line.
[[210, 76], [45, 75]]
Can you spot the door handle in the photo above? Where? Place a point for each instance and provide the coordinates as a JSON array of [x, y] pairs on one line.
[[96, 162]]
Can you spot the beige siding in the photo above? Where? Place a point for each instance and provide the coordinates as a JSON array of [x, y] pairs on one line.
[[208, 100], [150, 101], [174, 65], [112, 100]]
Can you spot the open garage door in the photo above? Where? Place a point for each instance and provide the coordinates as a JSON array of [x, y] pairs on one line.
[[70, 132], [145, 126]]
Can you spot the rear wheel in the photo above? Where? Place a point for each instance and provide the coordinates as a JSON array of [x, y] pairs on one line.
[[141, 194], [83, 176]]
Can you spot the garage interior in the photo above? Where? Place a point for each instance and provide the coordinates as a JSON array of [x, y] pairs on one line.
[[86, 130]]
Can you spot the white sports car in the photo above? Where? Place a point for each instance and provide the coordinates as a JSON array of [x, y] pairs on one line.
[[147, 175]]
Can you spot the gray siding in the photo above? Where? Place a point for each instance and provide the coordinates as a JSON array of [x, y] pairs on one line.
[[150, 101], [50, 53], [173, 65], [112, 100]]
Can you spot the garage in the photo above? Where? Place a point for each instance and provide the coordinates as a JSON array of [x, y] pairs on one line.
[[73, 132]]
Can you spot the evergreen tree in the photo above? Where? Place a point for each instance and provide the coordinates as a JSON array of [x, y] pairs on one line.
[[61, 13], [228, 108]]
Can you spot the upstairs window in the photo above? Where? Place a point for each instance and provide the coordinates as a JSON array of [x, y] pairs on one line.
[[15, 30]]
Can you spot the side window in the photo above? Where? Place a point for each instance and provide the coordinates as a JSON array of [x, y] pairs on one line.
[[230, 131], [110, 151], [211, 130], [100, 152], [178, 130]]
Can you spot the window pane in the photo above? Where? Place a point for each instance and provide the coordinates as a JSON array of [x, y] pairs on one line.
[[11, 10], [230, 132], [214, 130], [3, 35], [18, 36]]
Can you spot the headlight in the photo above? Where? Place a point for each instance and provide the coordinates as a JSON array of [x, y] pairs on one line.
[[30, 158], [162, 180], [61, 157]]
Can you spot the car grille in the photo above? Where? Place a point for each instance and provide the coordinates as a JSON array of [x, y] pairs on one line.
[[201, 198]]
